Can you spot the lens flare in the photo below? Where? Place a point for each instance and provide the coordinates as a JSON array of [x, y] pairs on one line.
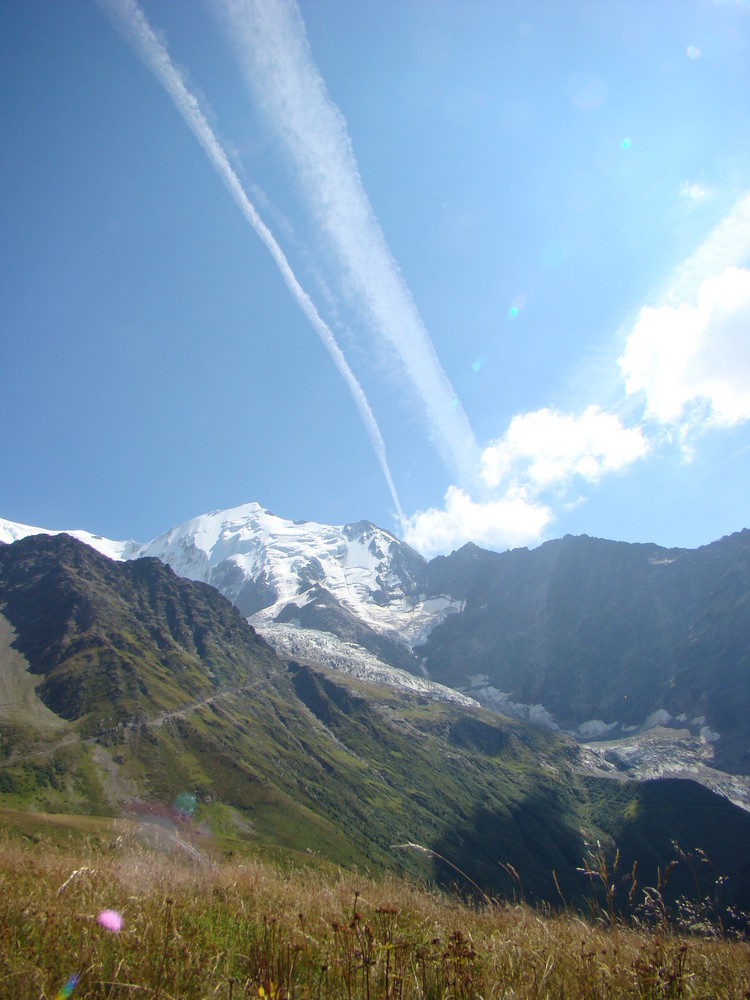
[[692, 52], [519, 301], [479, 363], [68, 987], [625, 144], [586, 92], [185, 804]]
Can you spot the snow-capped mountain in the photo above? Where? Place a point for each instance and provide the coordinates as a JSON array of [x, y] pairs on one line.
[[351, 597], [12, 531], [278, 570], [597, 638]]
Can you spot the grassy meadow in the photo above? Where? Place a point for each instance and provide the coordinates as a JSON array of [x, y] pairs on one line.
[[234, 928]]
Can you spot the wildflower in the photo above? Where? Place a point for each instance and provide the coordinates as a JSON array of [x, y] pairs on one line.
[[111, 920]]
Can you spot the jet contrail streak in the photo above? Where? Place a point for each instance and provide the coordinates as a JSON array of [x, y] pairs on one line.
[[135, 28], [274, 55]]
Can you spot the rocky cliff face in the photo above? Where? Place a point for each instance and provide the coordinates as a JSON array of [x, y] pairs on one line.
[[606, 635], [595, 637]]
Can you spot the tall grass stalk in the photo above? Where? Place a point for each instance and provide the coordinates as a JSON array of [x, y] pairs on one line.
[[248, 929]]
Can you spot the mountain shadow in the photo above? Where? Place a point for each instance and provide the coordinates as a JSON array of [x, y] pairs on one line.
[[655, 822], [534, 850], [515, 852]]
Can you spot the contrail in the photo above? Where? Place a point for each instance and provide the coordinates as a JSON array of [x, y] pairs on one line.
[[132, 23], [275, 58]]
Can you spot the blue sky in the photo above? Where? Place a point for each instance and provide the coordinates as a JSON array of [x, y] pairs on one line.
[[470, 270]]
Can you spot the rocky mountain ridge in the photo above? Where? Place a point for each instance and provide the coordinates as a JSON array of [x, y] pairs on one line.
[[605, 640], [356, 581]]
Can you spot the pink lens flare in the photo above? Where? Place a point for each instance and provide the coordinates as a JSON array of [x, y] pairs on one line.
[[111, 920]]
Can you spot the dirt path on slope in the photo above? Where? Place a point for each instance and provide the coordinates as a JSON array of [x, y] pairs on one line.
[[17, 688]]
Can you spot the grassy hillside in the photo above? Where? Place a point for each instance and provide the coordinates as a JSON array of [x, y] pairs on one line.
[[249, 929], [195, 729], [113, 642]]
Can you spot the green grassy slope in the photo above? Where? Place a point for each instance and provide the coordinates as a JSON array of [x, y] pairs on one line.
[[161, 690]]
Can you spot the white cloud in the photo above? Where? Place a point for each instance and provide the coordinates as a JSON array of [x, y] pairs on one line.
[[727, 245], [548, 448], [512, 520], [693, 190], [692, 362], [541, 451]]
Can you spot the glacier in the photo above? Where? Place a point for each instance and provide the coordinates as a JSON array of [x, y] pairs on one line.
[[274, 570]]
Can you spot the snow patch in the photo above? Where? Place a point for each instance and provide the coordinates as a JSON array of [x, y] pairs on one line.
[[595, 727], [501, 701], [708, 735], [658, 718]]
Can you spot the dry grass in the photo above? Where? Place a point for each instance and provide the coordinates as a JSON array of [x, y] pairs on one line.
[[252, 930]]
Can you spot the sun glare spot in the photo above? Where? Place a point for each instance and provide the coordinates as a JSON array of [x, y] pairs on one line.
[[517, 304], [553, 254], [692, 52], [586, 92]]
